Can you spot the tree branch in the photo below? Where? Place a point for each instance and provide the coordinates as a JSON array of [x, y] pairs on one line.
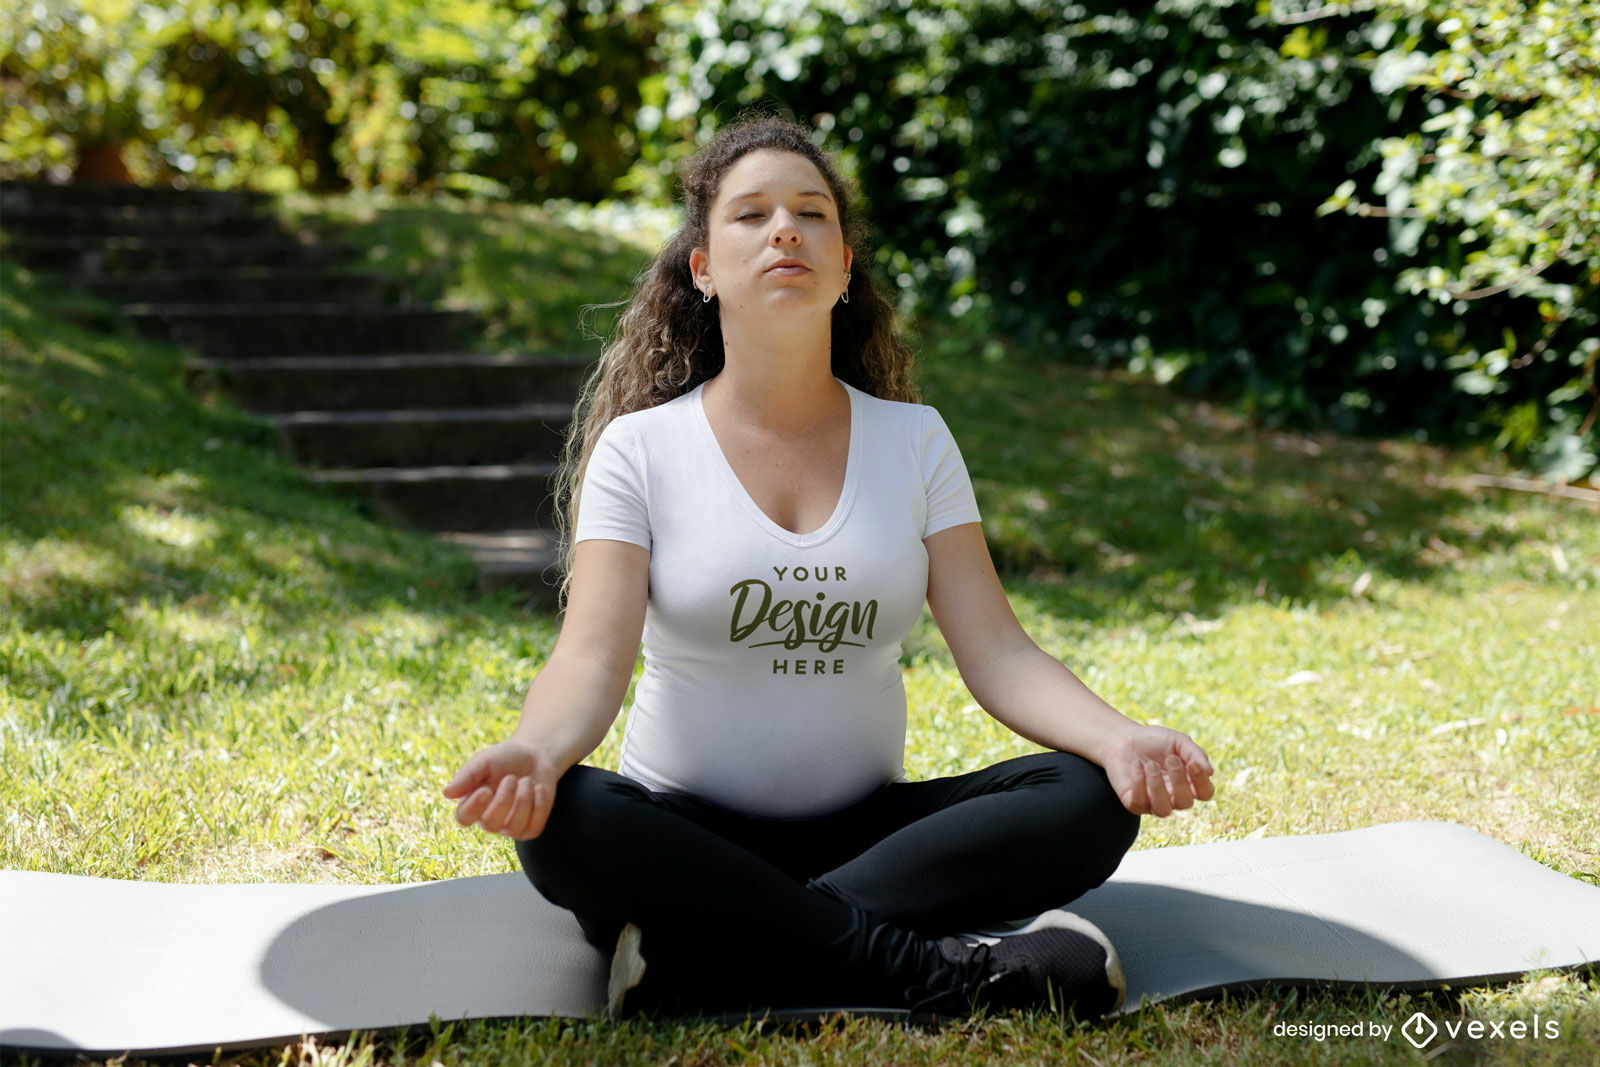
[[1528, 485], [1368, 211], [1531, 272], [1329, 11]]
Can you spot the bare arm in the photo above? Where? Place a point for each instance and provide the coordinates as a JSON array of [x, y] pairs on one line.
[[1153, 769], [508, 788]]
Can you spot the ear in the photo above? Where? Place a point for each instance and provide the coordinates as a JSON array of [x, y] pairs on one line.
[[849, 257], [700, 268]]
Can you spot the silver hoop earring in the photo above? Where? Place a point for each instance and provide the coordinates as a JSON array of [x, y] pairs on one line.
[[706, 299], [845, 296]]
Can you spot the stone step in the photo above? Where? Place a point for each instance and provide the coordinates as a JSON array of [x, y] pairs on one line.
[[266, 285], [128, 220], [93, 257], [227, 331], [354, 383], [462, 499], [530, 433], [527, 561], [22, 195], [376, 392]]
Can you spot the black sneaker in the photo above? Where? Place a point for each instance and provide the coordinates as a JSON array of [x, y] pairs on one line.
[[1059, 960]]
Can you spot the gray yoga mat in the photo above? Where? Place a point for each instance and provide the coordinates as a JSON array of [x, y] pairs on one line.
[[105, 966]]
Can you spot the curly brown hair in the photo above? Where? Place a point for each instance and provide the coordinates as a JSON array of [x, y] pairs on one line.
[[668, 339]]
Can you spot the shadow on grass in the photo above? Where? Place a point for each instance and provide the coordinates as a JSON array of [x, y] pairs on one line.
[[120, 486], [1104, 496]]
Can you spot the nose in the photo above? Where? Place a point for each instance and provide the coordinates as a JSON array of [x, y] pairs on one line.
[[785, 231]]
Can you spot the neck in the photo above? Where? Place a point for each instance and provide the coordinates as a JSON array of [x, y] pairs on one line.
[[781, 376]]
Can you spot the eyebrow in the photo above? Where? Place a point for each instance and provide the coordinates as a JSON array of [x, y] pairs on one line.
[[756, 194]]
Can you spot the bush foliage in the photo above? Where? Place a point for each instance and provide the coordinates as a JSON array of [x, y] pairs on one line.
[[1508, 163], [1374, 215]]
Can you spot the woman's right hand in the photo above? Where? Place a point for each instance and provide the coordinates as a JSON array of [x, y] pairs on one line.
[[506, 789]]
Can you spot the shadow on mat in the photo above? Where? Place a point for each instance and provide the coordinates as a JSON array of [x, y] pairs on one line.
[[35, 1040], [479, 947], [490, 947], [1181, 943]]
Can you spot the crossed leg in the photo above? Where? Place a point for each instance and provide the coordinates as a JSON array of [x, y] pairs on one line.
[[843, 908]]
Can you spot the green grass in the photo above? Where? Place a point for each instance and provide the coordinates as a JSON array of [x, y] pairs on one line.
[[537, 282], [185, 619], [1354, 633]]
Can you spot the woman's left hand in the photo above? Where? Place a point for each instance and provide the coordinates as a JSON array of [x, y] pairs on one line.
[[1156, 771]]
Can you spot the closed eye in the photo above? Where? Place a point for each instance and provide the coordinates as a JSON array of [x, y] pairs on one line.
[[755, 216]]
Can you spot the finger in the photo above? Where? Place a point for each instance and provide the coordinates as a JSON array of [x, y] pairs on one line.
[[1178, 784], [544, 796], [1133, 795], [1194, 755], [1155, 788], [472, 805], [1200, 780], [521, 810], [469, 775], [494, 817]]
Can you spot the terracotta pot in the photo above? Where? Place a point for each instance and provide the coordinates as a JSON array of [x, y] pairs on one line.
[[101, 163]]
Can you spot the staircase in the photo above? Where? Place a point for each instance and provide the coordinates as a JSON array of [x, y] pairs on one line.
[[370, 392]]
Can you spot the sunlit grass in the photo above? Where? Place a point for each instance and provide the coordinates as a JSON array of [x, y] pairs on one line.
[[538, 282], [210, 671]]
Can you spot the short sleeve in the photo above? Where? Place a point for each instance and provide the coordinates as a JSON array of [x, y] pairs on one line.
[[613, 504], [944, 476]]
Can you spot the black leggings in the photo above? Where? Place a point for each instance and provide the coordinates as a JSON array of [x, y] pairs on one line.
[[840, 908]]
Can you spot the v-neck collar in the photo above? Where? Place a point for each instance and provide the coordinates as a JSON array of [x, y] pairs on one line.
[[841, 509]]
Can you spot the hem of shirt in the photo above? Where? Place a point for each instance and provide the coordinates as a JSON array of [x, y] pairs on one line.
[[610, 533], [951, 521]]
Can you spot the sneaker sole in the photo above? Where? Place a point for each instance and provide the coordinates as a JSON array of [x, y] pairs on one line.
[[627, 970]]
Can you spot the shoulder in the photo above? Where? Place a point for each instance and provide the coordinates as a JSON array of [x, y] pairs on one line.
[[913, 419], [918, 429], [654, 419], [648, 424]]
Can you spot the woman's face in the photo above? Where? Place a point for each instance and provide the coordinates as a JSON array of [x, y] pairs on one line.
[[774, 240]]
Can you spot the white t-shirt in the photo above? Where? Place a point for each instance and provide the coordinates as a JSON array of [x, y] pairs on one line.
[[771, 682]]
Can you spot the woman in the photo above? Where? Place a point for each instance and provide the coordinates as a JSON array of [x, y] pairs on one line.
[[754, 491]]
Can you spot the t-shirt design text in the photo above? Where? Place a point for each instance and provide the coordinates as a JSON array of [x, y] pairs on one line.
[[764, 618]]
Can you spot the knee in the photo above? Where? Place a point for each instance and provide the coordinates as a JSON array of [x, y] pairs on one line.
[[584, 798], [1088, 800]]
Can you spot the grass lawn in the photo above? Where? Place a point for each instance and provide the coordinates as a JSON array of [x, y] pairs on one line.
[[537, 283], [211, 671]]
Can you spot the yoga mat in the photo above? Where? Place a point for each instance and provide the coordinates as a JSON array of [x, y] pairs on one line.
[[1405, 905], [110, 966], [106, 966]]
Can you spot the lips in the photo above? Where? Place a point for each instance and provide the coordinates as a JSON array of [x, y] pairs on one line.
[[788, 267]]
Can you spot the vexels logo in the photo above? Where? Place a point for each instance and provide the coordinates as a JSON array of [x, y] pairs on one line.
[[1419, 1030]]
